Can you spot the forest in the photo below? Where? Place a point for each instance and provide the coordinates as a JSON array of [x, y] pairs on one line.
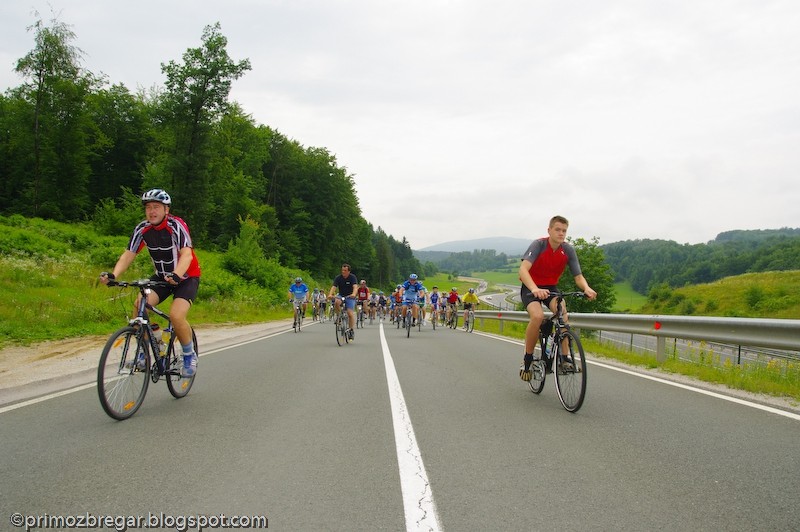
[[75, 147], [648, 264]]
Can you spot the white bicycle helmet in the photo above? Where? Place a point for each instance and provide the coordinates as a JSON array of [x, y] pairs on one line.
[[158, 195]]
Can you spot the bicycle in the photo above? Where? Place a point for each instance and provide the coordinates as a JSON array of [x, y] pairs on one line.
[[341, 323], [298, 316], [126, 369], [556, 337], [452, 321], [408, 319], [469, 324], [360, 315]]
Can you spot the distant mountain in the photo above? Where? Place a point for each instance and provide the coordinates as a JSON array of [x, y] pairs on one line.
[[501, 244]]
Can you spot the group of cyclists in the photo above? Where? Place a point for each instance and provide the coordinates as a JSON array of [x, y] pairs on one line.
[[409, 296], [167, 239]]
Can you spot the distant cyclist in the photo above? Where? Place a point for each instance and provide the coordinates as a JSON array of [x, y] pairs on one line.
[[345, 286], [298, 294], [469, 300], [411, 291], [453, 299]]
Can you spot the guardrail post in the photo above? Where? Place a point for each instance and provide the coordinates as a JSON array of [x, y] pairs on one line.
[[661, 348]]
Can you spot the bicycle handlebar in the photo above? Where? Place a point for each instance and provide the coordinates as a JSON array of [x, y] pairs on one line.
[[566, 294], [140, 283]]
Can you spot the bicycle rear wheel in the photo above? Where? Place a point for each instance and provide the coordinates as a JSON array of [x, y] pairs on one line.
[[538, 376], [570, 370], [180, 386], [121, 384]]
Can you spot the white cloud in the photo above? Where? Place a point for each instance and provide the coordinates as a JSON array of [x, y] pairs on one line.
[[462, 119]]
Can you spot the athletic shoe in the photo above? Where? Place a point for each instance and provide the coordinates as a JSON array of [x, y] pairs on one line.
[[189, 365]]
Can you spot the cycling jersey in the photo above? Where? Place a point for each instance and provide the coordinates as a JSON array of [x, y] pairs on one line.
[[434, 299], [547, 264], [469, 298], [411, 291], [164, 242], [299, 291], [453, 298], [362, 294]]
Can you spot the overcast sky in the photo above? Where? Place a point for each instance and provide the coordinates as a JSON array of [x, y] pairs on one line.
[[467, 119]]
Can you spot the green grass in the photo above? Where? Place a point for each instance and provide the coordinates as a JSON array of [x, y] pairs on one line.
[[445, 282], [628, 299], [751, 295], [495, 277]]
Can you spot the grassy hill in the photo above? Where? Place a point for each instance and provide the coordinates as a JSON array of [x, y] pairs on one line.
[[751, 295], [49, 281]]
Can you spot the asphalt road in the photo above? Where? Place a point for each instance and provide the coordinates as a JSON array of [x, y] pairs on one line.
[[300, 430]]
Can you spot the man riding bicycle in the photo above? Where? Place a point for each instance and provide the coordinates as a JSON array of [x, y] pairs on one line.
[[298, 294], [170, 246], [453, 299], [411, 291], [542, 265], [362, 297], [469, 300], [344, 289]]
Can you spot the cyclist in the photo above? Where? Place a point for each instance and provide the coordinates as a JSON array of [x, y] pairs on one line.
[[362, 297], [397, 301], [319, 301], [298, 294], [382, 304], [453, 299], [434, 300], [346, 284], [169, 243], [373, 305], [469, 299], [542, 264], [411, 291]]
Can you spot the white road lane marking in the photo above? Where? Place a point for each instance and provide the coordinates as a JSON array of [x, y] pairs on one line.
[[420, 510]]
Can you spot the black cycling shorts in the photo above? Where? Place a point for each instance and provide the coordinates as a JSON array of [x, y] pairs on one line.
[[186, 289], [527, 296]]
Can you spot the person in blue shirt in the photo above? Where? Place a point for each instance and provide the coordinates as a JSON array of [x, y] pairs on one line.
[[411, 291], [298, 294]]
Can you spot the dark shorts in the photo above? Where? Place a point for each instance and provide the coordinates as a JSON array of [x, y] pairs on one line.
[[527, 296], [186, 289]]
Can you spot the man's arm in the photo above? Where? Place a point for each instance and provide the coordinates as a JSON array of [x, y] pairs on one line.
[[580, 281]]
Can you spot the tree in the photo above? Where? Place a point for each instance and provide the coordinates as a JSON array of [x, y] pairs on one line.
[[196, 97], [55, 87], [598, 274]]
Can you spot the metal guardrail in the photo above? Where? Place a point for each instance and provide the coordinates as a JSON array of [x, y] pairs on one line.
[[753, 332]]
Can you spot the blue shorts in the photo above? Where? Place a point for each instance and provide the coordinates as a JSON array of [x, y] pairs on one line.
[[349, 302]]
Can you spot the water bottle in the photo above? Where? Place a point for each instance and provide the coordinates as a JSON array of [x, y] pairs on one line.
[[165, 336], [548, 346]]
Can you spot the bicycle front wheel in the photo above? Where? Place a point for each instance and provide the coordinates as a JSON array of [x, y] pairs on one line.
[[180, 386], [341, 330], [570, 370], [471, 323], [122, 380]]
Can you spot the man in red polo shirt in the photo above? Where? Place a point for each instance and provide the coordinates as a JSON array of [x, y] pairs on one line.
[[541, 267]]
